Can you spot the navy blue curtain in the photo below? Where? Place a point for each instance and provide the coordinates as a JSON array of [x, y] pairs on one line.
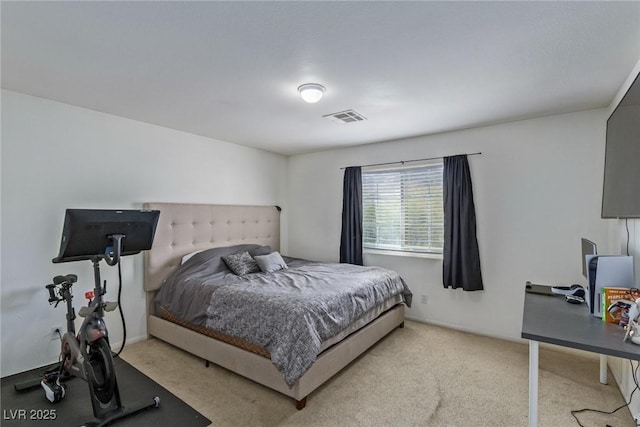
[[461, 257], [351, 238]]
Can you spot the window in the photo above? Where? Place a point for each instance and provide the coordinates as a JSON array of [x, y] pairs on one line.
[[403, 209]]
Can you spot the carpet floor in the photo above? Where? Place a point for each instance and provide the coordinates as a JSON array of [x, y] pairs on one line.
[[421, 375]]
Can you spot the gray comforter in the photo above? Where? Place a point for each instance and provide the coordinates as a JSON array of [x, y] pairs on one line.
[[289, 312]]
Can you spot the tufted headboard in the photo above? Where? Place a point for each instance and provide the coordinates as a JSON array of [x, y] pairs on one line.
[[184, 228]]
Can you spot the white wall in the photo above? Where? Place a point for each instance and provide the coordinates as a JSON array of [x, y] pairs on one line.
[[56, 156], [537, 188]]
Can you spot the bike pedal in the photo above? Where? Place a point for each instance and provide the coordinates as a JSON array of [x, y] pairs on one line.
[[54, 391]]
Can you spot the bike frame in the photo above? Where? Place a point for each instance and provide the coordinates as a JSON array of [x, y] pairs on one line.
[[75, 358], [93, 327]]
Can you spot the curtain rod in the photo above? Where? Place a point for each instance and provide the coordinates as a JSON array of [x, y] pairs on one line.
[[411, 161]]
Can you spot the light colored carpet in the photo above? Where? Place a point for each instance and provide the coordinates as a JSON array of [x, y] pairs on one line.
[[421, 375]]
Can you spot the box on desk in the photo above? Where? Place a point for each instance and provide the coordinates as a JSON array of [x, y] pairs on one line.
[[620, 313]]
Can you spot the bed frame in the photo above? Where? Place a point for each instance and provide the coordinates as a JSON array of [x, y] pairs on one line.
[[184, 228]]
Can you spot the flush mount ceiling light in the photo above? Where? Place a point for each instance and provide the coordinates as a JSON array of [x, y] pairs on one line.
[[311, 92]]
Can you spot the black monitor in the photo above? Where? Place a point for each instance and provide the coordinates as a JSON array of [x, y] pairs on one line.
[[87, 233], [588, 248]]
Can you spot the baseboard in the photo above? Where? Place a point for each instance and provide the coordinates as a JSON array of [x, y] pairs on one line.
[[461, 329], [551, 347]]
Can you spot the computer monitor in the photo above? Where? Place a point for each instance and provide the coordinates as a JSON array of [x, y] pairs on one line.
[[588, 248], [87, 232]]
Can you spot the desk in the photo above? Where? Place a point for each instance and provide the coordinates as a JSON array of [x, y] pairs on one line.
[[552, 320]]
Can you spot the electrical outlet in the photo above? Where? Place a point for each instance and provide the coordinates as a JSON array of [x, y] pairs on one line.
[[423, 299], [56, 333]]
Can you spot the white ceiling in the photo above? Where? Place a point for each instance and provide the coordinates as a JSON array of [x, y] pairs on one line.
[[229, 70]]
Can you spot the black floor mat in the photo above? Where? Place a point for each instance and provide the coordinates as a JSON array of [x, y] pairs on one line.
[[31, 408]]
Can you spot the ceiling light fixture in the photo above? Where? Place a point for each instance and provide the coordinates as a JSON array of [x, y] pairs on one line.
[[311, 92]]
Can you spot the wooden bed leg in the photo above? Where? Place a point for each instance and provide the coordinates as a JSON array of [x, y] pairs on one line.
[[206, 363], [401, 325], [300, 404]]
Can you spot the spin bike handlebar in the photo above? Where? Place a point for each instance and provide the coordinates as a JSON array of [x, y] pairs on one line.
[[52, 295], [111, 256]]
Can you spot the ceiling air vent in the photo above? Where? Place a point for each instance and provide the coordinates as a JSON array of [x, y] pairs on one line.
[[346, 116]]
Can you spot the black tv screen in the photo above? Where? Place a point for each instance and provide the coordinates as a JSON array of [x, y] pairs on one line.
[[621, 186], [86, 232]]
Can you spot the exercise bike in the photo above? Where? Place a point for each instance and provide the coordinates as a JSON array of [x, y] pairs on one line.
[[87, 354]]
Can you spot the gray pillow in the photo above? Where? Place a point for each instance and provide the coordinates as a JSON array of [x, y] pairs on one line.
[[260, 250], [241, 263], [271, 262], [212, 258]]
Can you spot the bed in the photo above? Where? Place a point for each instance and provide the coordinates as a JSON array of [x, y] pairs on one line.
[[185, 229]]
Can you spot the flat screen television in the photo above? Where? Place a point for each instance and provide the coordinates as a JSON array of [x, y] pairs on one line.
[[86, 232], [621, 186]]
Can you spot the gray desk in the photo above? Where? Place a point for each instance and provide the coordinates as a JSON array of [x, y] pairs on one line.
[[552, 320]]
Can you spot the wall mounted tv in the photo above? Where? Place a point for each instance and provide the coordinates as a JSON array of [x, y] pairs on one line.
[[621, 187]]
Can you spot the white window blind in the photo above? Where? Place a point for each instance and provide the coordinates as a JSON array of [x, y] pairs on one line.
[[403, 209]]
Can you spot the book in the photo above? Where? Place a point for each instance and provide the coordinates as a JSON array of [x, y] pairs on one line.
[[616, 303]]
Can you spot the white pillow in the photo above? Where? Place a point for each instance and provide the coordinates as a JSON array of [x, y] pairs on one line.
[[271, 262]]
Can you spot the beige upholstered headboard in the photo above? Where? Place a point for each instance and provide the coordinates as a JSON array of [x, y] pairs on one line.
[[184, 228]]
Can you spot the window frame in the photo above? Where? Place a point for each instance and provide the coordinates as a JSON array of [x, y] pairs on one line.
[[404, 251]]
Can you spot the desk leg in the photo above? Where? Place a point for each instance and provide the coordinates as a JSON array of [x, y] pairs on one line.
[[533, 383], [603, 368]]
